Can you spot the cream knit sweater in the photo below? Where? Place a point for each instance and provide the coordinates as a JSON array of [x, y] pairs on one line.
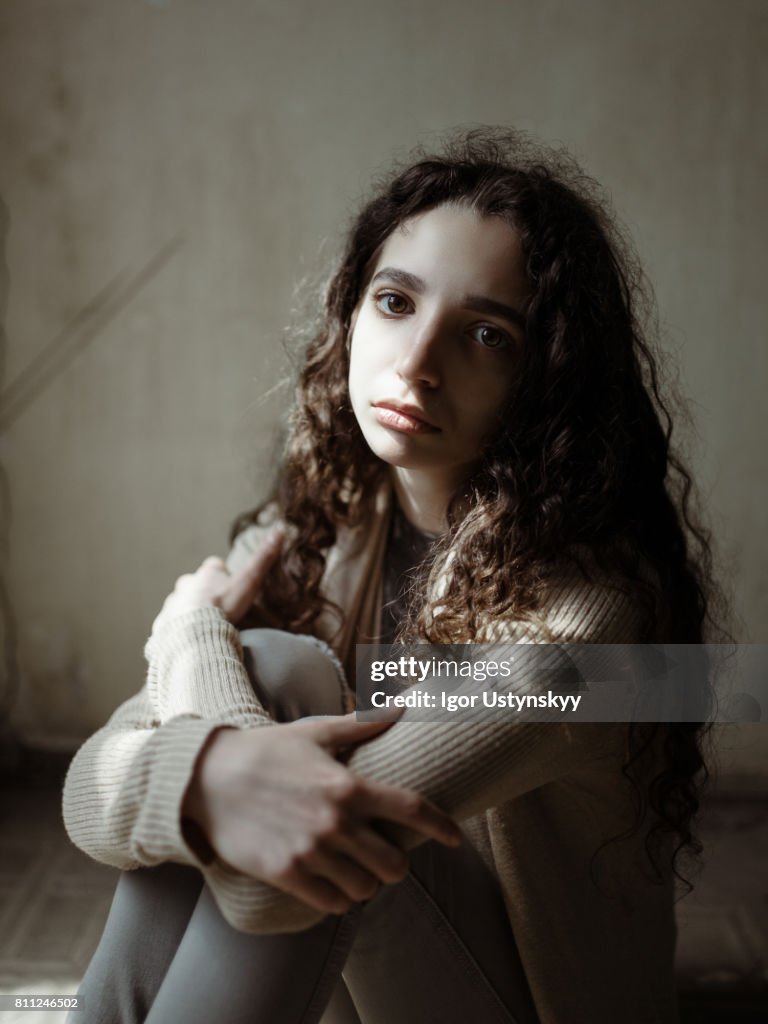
[[596, 938]]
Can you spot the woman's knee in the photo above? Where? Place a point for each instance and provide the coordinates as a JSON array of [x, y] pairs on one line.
[[293, 676]]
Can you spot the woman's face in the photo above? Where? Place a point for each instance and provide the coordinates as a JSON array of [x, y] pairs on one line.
[[436, 340]]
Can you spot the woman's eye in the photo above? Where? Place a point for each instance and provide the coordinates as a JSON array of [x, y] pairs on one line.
[[491, 337], [392, 303]]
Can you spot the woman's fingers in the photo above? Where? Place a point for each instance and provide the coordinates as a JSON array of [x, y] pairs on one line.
[[213, 586], [331, 881], [213, 562], [344, 873], [349, 873], [275, 804], [369, 800], [353, 871], [316, 891], [337, 732], [410, 809], [381, 858], [243, 587]]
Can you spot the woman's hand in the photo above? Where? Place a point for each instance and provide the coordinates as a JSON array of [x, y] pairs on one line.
[[212, 585], [276, 804]]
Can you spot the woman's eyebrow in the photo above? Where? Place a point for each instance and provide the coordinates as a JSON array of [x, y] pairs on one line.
[[477, 303], [480, 304], [416, 284]]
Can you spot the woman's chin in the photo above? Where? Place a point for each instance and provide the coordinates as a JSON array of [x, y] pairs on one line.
[[406, 451], [403, 457]]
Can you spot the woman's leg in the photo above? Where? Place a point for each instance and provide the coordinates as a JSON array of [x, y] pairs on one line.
[[150, 928], [438, 946], [152, 907], [150, 912], [222, 975], [341, 1009]]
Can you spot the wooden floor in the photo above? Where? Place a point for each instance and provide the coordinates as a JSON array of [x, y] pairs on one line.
[[54, 900]]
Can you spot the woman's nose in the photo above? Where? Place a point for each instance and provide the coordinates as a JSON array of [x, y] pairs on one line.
[[420, 360]]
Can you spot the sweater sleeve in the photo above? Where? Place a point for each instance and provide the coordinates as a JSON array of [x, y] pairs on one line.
[[476, 762], [464, 767], [196, 668], [125, 787], [124, 790]]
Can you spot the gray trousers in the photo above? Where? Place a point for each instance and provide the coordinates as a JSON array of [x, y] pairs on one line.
[[435, 947]]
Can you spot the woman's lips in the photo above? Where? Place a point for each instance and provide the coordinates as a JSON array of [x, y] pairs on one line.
[[402, 420]]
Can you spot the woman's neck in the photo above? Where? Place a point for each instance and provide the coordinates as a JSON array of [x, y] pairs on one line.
[[423, 498]]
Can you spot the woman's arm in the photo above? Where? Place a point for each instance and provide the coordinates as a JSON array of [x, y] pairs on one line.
[[129, 798], [123, 805], [467, 766], [131, 785], [473, 763], [125, 786], [195, 667]]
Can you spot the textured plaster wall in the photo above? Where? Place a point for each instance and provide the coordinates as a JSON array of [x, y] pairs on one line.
[[171, 170]]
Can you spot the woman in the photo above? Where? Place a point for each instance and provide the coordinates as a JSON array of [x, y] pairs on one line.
[[479, 453]]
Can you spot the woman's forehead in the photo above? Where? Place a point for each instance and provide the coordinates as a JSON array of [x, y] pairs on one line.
[[456, 248]]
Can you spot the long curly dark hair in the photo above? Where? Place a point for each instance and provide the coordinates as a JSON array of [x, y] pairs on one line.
[[582, 461]]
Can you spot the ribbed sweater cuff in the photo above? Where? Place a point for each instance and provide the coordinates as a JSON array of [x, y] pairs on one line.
[[249, 905], [196, 667], [157, 834]]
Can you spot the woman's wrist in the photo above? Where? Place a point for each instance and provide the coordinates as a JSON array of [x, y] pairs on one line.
[[194, 806]]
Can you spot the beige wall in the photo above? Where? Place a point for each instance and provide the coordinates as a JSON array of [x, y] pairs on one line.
[[240, 132]]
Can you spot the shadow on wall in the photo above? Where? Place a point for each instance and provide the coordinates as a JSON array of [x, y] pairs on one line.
[[9, 675], [50, 656]]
